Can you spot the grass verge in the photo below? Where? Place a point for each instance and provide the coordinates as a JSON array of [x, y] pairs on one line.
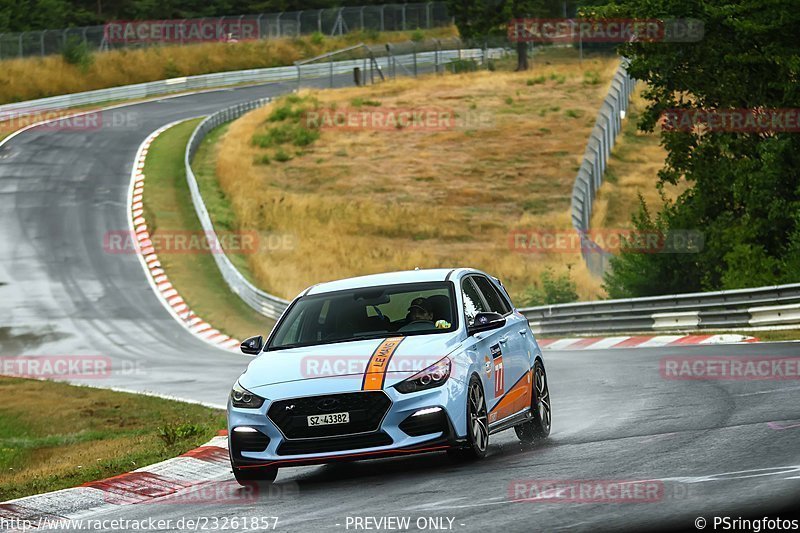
[[169, 213], [93, 434]]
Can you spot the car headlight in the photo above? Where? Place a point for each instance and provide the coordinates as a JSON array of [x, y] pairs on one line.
[[241, 397], [433, 376]]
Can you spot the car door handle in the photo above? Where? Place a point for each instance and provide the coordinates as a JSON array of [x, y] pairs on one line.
[[503, 339], [523, 331]]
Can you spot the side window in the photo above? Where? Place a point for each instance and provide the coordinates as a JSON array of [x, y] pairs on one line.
[[493, 298], [472, 301]]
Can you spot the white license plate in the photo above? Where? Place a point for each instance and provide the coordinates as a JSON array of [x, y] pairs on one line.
[[326, 420]]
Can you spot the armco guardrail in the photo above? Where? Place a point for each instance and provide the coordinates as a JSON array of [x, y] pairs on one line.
[[212, 81], [595, 159], [757, 307], [266, 304], [150, 89], [263, 302]]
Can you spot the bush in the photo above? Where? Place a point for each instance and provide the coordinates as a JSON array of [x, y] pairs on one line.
[[171, 70], [173, 432], [281, 156], [360, 102], [317, 38], [590, 77], [76, 52], [553, 290], [458, 66], [417, 35]]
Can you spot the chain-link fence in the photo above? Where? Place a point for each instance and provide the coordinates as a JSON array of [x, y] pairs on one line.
[[130, 34], [368, 64]]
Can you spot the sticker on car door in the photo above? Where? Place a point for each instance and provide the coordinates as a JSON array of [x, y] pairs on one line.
[[499, 372]]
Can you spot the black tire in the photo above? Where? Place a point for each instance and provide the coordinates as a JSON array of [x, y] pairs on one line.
[[255, 476], [538, 426], [477, 424]]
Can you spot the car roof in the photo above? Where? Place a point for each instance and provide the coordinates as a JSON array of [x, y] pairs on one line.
[[388, 278]]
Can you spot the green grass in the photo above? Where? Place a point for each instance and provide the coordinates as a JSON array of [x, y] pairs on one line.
[[93, 434], [168, 208]]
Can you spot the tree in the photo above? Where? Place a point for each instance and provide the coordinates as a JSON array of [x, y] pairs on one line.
[[481, 21], [744, 187]]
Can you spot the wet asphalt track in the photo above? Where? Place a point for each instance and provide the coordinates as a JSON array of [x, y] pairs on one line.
[[615, 417]]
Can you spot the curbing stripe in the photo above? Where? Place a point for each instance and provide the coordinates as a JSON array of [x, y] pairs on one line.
[[605, 343], [201, 465], [157, 278]]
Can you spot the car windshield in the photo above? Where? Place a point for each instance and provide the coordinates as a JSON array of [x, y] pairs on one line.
[[367, 312]]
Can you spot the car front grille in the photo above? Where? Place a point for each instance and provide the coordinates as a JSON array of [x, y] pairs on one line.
[[366, 410], [334, 444]]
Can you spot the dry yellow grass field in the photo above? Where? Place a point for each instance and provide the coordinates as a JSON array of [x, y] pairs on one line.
[[632, 171], [372, 200], [39, 77]]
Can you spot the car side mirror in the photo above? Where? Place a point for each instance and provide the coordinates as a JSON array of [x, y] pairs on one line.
[[485, 322], [253, 345]]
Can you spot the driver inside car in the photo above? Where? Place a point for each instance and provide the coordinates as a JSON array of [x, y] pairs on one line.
[[419, 314]]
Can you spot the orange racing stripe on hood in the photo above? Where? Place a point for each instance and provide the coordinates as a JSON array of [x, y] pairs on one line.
[[375, 374]]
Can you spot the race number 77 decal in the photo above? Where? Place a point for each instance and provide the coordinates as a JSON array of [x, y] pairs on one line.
[[499, 372]]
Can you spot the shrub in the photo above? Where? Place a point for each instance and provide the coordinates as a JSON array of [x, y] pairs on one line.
[[76, 52], [458, 66], [553, 290], [281, 156], [317, 38], [173, 432], [360, 102], [590, 77]]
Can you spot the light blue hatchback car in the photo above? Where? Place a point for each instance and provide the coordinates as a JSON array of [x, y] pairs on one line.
[[385, 365]]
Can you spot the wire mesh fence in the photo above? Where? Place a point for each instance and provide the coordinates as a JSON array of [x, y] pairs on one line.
[[368, 64], [134, 34]]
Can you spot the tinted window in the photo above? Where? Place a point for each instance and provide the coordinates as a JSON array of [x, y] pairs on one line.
[[367, 312], [472, 301], [493, 298]]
